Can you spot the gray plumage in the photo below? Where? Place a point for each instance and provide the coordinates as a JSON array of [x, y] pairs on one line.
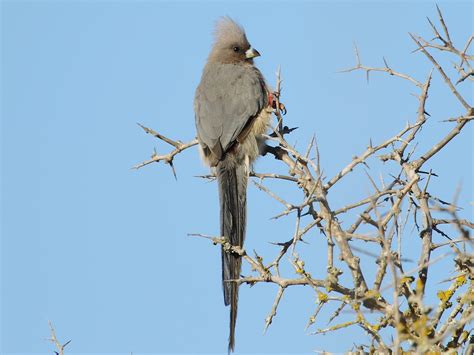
[[232, 112], [227, 99]]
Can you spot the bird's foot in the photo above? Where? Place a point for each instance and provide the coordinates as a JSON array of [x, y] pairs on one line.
[[273, 102]]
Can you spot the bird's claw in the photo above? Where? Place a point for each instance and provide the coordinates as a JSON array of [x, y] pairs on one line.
[[273, 100], [282, 108]]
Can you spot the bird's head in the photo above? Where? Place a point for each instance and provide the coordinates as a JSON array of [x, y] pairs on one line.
[[231, 44]]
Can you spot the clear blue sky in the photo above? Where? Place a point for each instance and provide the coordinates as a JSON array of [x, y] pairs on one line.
[[102, 250]]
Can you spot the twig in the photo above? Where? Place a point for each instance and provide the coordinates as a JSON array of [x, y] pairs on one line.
[[53, 339]]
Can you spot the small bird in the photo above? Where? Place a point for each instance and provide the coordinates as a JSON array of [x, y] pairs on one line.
[[233, 107]]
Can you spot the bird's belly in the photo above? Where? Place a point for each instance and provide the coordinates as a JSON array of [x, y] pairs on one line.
[[250, 145]]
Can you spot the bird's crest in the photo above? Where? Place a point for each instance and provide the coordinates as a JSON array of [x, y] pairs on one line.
[[228, 31]]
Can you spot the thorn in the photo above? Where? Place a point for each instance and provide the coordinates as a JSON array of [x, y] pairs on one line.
[[356, 50], [146, 129], [428, 173], [174, 171]]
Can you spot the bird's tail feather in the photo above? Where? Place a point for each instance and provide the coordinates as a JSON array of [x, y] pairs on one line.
[[232, 178]]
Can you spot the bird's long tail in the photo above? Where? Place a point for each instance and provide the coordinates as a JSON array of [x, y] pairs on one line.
[[232, 179]]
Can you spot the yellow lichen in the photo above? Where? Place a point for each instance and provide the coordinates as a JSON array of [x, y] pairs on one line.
[[460, 280], [444, 296], [322, 297], [372, 294], [407, 279]]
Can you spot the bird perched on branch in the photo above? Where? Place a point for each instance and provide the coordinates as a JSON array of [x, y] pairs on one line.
[[233, 106]]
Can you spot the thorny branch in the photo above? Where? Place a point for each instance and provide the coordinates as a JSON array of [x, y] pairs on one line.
[[53, 339], [400, 300]]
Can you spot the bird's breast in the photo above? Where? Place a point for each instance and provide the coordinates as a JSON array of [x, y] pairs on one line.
[[251, 140]]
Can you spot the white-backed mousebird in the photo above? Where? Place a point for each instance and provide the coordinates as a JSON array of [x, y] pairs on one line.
[[233, 106]]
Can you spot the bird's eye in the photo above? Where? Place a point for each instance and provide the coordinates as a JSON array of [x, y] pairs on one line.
[[236, 49]]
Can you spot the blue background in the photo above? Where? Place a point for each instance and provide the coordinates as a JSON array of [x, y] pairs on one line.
[[102, 250]]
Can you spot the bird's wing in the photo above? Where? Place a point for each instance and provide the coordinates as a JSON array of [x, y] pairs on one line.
[[228, 97]]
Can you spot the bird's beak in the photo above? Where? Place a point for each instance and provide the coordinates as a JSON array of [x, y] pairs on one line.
[[251, 53]]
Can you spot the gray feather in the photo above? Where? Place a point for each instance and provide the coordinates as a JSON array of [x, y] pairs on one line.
[[232, 179], [228, 96]]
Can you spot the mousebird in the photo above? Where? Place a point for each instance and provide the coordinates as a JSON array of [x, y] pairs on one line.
[[233, 107]]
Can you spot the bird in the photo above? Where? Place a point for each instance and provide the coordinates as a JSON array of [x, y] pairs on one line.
[[233, 106]]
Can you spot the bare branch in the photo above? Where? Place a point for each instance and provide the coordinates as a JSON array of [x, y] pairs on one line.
[[53, 339]]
